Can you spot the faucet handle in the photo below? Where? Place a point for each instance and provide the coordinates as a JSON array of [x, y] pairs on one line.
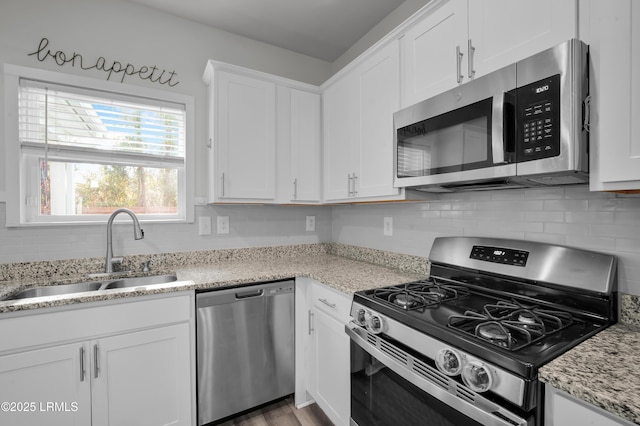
[[146, 266]]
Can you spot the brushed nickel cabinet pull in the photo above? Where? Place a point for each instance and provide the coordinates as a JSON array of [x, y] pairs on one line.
[[459, 56], [310, 323], [329, 304], [354, 185], [83, 370], [96, 361], [471, 51]]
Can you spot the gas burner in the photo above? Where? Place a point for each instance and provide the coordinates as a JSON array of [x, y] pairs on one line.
[[492, 331], [511, 325], [420, 294], [527, 317], [438, 292], [406, 301]]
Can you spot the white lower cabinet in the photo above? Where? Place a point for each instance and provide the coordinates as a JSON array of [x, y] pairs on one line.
[[329, 367], [45, 386], [562, 409], [124, 378], [142, 378], [323, 363]]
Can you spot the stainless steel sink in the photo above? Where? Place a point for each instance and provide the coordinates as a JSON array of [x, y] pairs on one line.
[[55, 290], [139, 281]]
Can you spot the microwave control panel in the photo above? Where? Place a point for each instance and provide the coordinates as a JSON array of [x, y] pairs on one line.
[[538, 111]]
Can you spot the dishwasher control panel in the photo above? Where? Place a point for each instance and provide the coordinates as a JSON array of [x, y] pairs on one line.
[[282, 289]]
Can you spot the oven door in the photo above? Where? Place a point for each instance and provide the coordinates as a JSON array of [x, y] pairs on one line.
[[391, 385], [465, 135]]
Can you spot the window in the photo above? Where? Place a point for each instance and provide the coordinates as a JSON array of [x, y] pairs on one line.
[[84, 150]]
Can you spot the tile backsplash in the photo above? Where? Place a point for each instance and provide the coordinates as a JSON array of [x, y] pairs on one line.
[[570, 215], [249, 226]]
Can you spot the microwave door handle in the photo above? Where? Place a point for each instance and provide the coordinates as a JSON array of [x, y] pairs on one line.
[[497, 129]]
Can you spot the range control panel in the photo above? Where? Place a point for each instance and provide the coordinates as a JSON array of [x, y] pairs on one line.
[[538, 133], [500, 255]]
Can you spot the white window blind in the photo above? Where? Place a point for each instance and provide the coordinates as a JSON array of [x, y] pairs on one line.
[[102, 124]]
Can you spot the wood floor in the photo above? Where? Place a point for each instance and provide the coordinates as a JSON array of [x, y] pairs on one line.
[[282, 413]]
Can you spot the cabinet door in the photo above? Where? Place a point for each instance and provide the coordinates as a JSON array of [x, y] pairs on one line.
[[143, 378], [329, 363], [304, 136], [429, 52], [615, 91], [505, 31], [562, 409], [245, 137], [46, 387], [379, 99], [341, 121]]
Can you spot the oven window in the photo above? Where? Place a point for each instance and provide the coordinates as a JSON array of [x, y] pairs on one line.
[[451, 142], [381, 397]]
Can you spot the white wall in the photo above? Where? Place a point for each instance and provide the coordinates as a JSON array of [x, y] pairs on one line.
[[569, 215]]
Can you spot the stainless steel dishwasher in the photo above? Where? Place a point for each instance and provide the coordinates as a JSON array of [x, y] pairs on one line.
[[245, 347]]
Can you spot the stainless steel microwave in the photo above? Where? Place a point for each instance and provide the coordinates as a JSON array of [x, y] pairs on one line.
[[521, 126]]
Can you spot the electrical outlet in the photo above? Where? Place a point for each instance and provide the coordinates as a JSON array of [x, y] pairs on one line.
[[223, 224], [204, 225], [388, 226], [311, 223]]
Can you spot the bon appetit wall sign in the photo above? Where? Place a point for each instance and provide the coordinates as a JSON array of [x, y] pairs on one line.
[[112, 68]]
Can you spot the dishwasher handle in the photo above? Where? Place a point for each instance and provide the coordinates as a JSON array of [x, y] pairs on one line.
[[250, 294], [244, 293]]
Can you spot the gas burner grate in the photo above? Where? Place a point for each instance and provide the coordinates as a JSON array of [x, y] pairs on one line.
[[511, 325], [419, 294]]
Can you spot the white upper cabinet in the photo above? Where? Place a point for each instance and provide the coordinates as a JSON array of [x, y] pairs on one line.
[[433, 51], [301, 127], [458, 40], [505, 31], [242, 135], [259, 124], [614, 39], [358, 109], [340, 122]]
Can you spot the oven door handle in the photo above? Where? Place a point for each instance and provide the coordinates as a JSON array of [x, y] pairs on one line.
[[489, 414]]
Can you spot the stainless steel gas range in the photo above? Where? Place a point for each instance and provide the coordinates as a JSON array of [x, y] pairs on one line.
[[464, 346]]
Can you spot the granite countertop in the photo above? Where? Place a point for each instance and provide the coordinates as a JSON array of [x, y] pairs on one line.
[[604, 370], [341, 273]]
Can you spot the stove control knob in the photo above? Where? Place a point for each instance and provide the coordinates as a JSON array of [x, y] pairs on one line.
[[477, 376], [375, 324], [361, 317], [448, 361]]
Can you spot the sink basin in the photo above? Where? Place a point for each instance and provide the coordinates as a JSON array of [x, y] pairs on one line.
[[139, 281], [54, 290]]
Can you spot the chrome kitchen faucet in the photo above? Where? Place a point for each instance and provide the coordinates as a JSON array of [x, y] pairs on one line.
[[138, 234]]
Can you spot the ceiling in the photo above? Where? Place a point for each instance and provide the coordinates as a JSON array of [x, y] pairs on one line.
[[323, 29]]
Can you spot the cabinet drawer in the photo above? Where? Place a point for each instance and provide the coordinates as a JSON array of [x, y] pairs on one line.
[[93, 320], [331, 301]]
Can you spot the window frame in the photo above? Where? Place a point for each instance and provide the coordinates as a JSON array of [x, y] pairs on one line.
[[18, 213]]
